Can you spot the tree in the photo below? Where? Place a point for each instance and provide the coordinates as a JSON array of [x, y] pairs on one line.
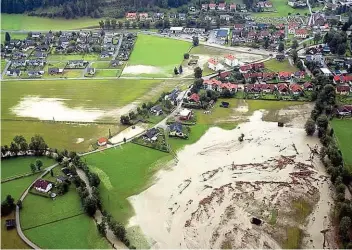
[[33, 168], [101, 228], [266, 43], [127, 24], [24, 147], [281, 47], [101, 24], [14, 148], [195, 41], [113, 23], [38, 164], [120, 24], [334, 155], [107, 24], [125, 120], [7, 37], [345, 225], [132, 115], [175, 71], [294, 44], [38, 145], [198, 72], [134, 25], [90, 205], [322, 122], [119, 231], [341, 49], [51, 173], [62, 188], [180, 69], [19, 204], [185, 56], [310, 127], [93, 179], [317, 37], [7, 206]]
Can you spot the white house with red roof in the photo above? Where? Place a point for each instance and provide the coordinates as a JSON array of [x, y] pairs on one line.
[[222, 6], [231, 60], [43, 186], [143, 16], [212, 6], [229, 86], [215, 65], [102, 141], [301, 33], [232, 7], [131, 16], [211, 84], [296, 89]]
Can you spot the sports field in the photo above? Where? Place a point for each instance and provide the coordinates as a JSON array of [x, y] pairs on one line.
[[20, 165], [343, 134], [162, 54], [32, 23], [124, 171]]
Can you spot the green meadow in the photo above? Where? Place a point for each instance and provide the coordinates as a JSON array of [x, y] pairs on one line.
[[343, 134]]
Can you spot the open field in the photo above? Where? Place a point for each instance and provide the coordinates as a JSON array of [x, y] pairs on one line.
[[343, 134], [107, 72], [10, 238], [282, 9], [17, 166], [276, 66], [75, 233], [129, 175], [39, 210], [31, 23], [58, 135], [15, 188], [143, 59], [2, 65], [63, 57], [20, 36]]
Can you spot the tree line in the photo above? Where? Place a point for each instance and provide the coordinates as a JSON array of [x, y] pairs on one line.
[[20, 146], [329, 153]]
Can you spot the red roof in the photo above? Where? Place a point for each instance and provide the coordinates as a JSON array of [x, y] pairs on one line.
[[143, 14], [284, 74], [43, 184], [307, 85], [295, 88], [212, 61], [232, 6], [238, 25], [282, 87], [268, 75], [225, 74], [301, 32], [102, 140], [222, 5], [212, 5], [212, 82], [228, 86], [343, 78], [131, 14], [230, 57], [194, 97], [343, 88]]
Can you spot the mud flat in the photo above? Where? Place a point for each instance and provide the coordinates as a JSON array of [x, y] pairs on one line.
[[218, 185]]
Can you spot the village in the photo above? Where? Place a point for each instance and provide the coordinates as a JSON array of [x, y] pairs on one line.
[[211, 125]]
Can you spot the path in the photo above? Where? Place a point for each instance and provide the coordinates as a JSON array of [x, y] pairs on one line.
[[98, 216], [18, 221], [117, 48]]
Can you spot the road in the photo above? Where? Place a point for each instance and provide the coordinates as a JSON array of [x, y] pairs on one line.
[[117, 48], [18, 221]]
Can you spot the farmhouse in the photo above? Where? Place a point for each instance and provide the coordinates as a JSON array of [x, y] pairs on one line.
[[231, 60], [214, 64], [296, 89], [156, 110], [212, 6], [211, 84], [185, 114], [43, 186], [131, 16], [13, 72], [282, 88], [284, 76], [102, 141], [175, 129], [194, 97], [143, 16], [151, 135], [342, 79]]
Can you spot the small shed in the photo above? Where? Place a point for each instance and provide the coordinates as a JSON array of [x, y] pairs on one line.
[[10, 224]]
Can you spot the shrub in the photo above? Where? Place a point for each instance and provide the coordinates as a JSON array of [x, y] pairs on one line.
[[310, 127]]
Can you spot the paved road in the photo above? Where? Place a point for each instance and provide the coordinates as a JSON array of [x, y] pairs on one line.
[[117, 48], [18, 221]]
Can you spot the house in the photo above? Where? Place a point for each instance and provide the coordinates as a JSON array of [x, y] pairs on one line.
[[232, 7], [238, 26], [18, 63], [301, 33], [36, 34], [345, 110], [40, 55], [231, 60], [185, 114], [343, 90], [35, 62], [172, 96], [222, 6], [182, 16], [212, 6], [228, 86], [67, 171], [156, 110], [176, 30], [143, 16], [282, 88], [18, 55], [43, 48], [326, 71], [104, 54], [308, 86], [13, 72], [326, 49], [194, 97], [296, 89], [225, 74], [102, 141], [55, 71], [61, 179], [192, 9], [299, 74], [43, 186], [226, 17], [267, 88], [284, 76], [158, 16], [252, 88], [151, 135], [35, 73], [211, 84], [175, 129], [11, 223], [222, 34], [342, 79], [205, 7], [131, 16], [245, 68], [280, 57], [76, 63], [90, 71], [214, 64]]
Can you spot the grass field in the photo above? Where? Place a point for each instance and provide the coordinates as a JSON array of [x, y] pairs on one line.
[[31, 23], [107, 72], [75, 233], [20, 36], [20, 165], [127, 176], [16, 187], [63, 57], [2, 64], [343, 134], [10, 238], [160, 52], [282, 9], [275, 65]]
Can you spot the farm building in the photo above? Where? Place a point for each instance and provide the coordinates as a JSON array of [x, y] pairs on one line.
[[175, 30], [185, 114], [11, 223], [102, 141], [42, 186]]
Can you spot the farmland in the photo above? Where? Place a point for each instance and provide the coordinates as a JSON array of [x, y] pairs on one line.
[[32, 23], [20, 165], [147, 47], [16, 187], [343, 134], [10, 238], [127, 176]]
